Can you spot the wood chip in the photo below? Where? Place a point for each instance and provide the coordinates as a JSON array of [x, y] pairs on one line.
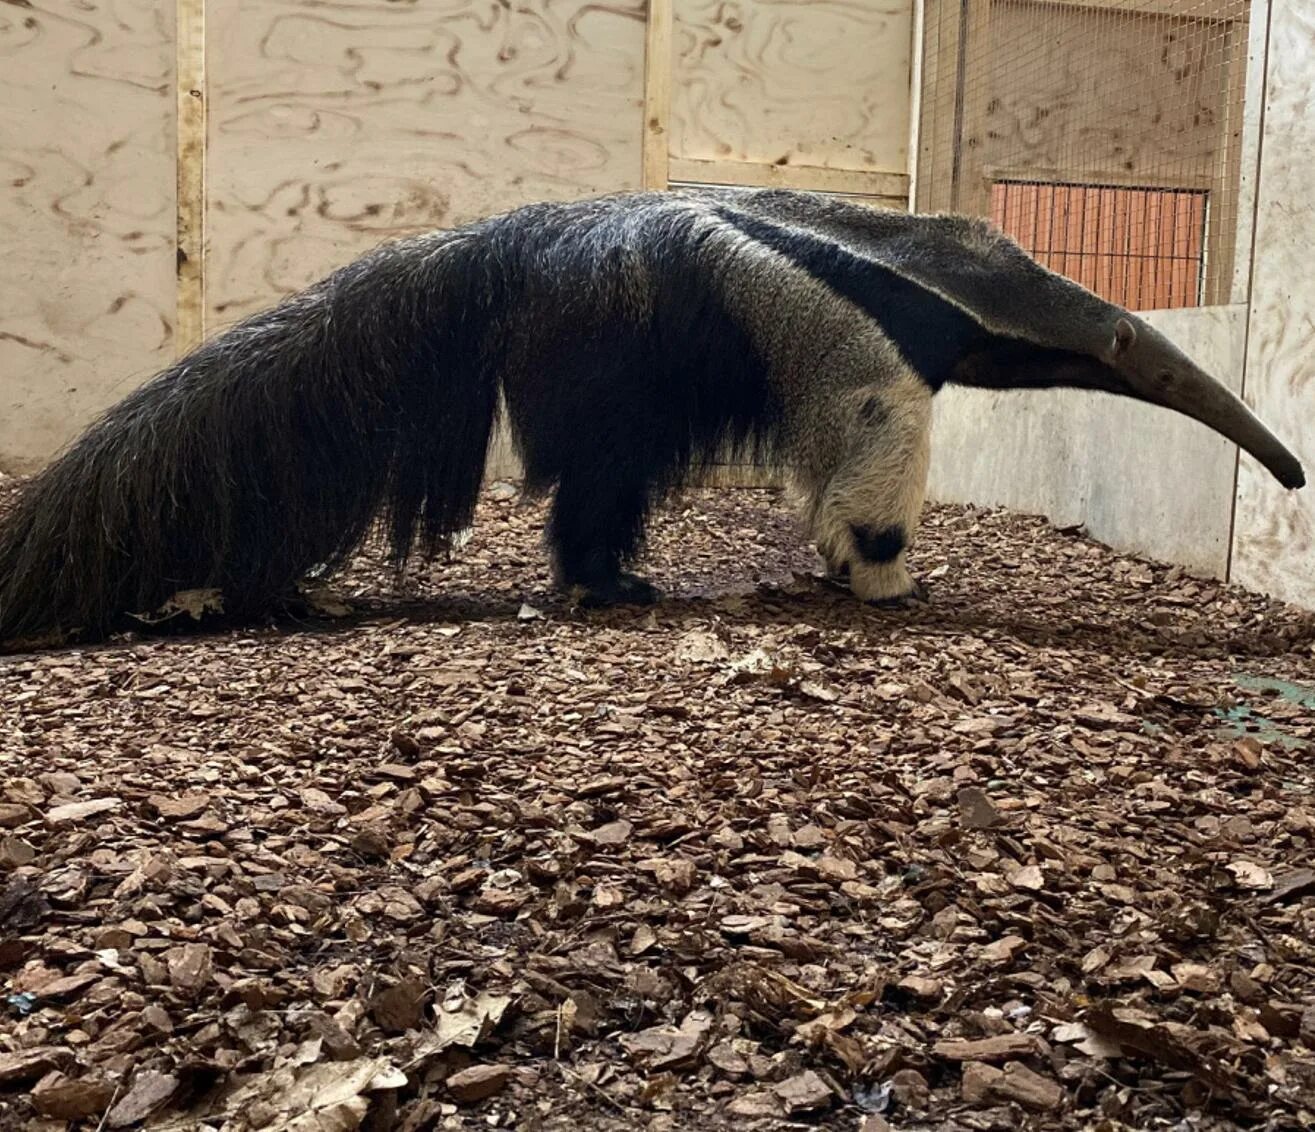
[[18, 1066], [804, 1092], [1019, 1083], [72, 813], [477, 1082], [976, 810], [1002, 1047], [753, 854], [148, 1092], [68, 1098]]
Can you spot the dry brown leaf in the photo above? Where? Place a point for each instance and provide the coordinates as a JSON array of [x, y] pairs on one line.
[[464, 1022], [1248, 874]]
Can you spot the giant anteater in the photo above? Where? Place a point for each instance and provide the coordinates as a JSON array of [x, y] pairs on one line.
[[629, 340]]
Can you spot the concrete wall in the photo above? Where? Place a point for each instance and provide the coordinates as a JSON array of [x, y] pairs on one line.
[[1137, 477]]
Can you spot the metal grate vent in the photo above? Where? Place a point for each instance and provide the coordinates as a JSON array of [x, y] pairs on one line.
[[1141, 248]]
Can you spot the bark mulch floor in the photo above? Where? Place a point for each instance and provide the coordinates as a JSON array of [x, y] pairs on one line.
[[1040, 854]]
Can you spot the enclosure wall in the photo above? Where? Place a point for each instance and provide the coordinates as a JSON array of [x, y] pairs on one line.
[[1136, 477], [1274, 544], [87, 217], [309, 132], [173, 165], [1144, 480]]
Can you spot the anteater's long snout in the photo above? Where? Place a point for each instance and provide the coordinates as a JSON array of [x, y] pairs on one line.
[[1162, 374], [1203, 398]]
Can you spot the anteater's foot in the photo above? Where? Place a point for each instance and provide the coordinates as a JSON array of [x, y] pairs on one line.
[[916, 596], [624, 589], [874, 586]]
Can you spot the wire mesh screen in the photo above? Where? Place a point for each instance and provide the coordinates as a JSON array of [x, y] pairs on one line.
[[1109, 137]]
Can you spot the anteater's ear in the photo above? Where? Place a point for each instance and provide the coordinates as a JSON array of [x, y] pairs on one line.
[[1125, 334]]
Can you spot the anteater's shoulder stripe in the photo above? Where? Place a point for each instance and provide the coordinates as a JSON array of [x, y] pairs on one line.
[[930, 332]]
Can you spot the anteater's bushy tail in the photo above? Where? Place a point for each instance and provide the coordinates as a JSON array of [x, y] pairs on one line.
[[270, 453]]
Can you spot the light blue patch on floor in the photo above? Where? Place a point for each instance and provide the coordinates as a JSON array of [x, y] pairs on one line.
[[1298, 694], [1242, 721]]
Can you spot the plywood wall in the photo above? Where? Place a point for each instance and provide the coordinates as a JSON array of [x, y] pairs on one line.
[[86, 215], [1275, 540], [1113, 94], [335, 124], [804, 82]]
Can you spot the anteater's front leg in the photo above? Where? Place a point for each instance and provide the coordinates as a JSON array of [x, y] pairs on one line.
[[597, 526], [869, 508]]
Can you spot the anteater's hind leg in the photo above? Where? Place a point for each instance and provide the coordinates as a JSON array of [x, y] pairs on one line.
[[868, 511], [597, 525]]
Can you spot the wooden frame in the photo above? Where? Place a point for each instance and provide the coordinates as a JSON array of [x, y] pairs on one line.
[[935, 125], [1248, 151], [657, 94], [917, 50], [1184, 9], [189, 326], [812, 178]]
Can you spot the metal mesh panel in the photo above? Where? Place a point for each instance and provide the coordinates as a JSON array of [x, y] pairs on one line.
[[1108, 137]]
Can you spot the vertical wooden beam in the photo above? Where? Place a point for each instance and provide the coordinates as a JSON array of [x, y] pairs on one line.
[[1257, 95], [915, 98], [189, 326], [658, 63], [941, 50], [1252, 103]]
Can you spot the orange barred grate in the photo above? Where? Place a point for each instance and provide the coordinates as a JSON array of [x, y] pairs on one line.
[[1140, 248]]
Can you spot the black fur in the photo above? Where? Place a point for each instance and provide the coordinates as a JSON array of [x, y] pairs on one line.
[[365, 405], [999, 362], [266, 456], [933, 335], [878, 544], [618, 405]]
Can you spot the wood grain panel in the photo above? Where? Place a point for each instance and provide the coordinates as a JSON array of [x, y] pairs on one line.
[[335, 124], [815, 82], [1111, 97], [87, 214], [1274, 547]]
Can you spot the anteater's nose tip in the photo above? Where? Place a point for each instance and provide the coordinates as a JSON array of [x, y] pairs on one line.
[[1292, 477]]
